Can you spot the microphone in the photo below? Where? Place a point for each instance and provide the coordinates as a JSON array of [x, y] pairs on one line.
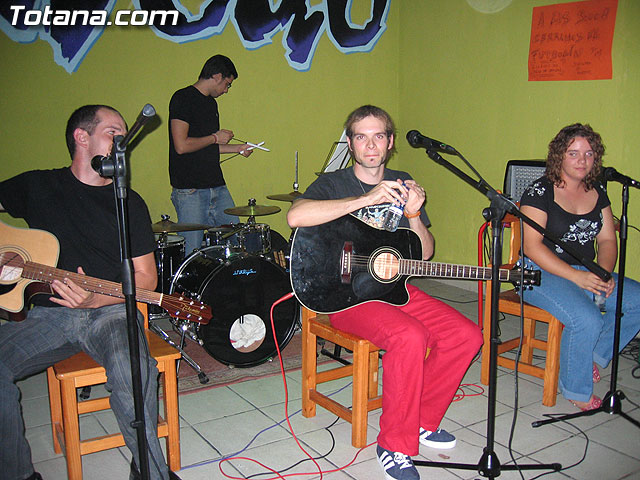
[[146, 114], [96, 163], [416, 139], [612, 175]]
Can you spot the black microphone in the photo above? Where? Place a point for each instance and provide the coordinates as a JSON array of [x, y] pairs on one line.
[[146, 114], [416, 139], [96, 163], [612, 175]]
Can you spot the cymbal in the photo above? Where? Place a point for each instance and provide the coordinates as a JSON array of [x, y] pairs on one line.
[[285, 197], [167, 226], [252, 210]]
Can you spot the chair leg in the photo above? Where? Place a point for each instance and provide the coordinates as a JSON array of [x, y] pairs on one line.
[[359, 410], [170, 395], [71, 425], [552, 364], [373, 374], [309, 365], [528, 335], [486, 334], [55, 407]]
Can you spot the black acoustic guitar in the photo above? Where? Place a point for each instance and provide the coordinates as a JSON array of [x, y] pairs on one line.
[[346, 262]]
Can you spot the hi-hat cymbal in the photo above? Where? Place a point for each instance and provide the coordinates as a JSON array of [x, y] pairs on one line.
[[252, 210], [285, 197], [167, 226]]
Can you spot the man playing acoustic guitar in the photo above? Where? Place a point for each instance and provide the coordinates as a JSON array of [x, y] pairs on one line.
[[428, 344], [77, 206]]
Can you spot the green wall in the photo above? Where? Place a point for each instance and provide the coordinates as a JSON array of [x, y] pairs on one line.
[[463, 78], [441, 67]]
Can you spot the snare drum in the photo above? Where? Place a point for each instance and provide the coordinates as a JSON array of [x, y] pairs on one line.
[[240, 290]]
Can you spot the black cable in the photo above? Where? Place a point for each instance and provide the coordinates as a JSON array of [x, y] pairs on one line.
[[515, 370], [586, 446], [320, 457]]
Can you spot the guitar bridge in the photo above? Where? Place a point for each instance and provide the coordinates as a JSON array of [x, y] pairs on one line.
[[345, 262]]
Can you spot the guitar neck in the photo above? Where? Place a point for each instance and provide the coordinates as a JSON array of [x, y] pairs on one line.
[[423, 268], [46, 274]]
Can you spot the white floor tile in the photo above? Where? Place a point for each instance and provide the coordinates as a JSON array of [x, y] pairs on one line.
[[222, 421]]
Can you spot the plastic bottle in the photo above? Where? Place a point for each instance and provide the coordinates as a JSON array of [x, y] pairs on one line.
[[600, 300], [392, 217]]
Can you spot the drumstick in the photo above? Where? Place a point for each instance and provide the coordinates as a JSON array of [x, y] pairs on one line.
[[259, 145]]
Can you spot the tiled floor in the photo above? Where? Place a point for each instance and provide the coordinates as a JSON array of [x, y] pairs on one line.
[[246, 419]]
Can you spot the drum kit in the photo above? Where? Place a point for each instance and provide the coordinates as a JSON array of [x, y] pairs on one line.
[[240, 271]]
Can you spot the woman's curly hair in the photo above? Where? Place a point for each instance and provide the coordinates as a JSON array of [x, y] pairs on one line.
[[561, 143]]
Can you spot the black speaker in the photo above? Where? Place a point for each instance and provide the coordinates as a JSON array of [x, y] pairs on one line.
[[518, 176]]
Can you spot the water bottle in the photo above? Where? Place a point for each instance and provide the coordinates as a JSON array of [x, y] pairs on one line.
[[393, 216], [599, 300]]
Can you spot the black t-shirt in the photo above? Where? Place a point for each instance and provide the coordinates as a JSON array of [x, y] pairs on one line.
[[577, 231], [200, 169], [344, 183], [82, 217]]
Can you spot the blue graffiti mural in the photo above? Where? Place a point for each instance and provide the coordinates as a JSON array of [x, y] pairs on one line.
[[256, 22]]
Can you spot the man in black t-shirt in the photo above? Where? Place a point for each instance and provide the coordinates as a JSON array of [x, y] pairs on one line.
[[428, 344], [77, 206], [200, 194]]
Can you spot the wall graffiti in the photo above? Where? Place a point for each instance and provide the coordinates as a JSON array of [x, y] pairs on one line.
[[72, 27]]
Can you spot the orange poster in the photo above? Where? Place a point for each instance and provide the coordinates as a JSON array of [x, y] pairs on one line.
[[572, 41]]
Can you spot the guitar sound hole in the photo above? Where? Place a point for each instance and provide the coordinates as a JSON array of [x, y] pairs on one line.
[[386, 266], [11, 264]]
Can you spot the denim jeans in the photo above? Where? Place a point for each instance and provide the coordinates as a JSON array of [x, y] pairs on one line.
[[588, 334], [49, 335], [202, 205]]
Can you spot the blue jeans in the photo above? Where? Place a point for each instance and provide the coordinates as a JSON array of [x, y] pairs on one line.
[[588, 334], [49, 335], [202, 205]]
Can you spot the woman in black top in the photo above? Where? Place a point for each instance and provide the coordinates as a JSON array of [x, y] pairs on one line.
[[570, 203]]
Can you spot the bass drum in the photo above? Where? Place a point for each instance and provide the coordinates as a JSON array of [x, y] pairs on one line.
[[240, 290]]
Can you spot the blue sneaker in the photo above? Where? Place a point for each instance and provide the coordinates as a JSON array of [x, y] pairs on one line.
[[439, 439], [396, 465]]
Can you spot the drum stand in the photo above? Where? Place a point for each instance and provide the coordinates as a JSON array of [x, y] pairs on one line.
[[201, 375]]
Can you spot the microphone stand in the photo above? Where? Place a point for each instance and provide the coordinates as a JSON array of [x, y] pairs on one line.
[[489, 464], [115, 166], [612, 402]]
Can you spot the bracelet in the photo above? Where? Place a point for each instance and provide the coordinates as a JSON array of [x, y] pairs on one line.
[[216, 137], [412, 215]]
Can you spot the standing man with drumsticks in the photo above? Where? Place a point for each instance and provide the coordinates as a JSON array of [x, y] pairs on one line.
[[200, 194]]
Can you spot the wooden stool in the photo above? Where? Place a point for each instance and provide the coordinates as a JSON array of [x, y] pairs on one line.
[[80, 371], [510, 303], [364, 371]]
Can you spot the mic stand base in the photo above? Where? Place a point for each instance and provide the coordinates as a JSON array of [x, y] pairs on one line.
[[611, 403], [489, 465]]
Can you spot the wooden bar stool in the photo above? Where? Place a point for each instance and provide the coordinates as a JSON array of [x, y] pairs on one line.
[[364, 371], [80, 371]]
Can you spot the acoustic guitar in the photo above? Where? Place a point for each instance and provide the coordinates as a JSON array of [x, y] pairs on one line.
[[29, 255], [345, 262]]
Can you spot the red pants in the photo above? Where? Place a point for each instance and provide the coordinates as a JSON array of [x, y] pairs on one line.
[[416, 392]]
